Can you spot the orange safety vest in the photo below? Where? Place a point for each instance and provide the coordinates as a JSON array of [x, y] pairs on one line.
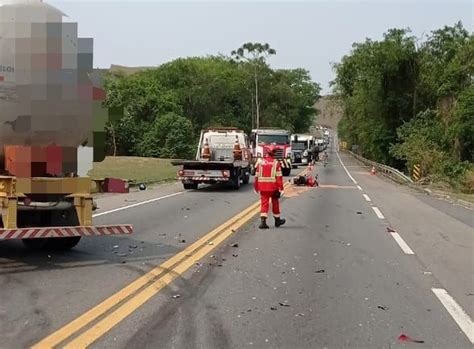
[[268, 176]]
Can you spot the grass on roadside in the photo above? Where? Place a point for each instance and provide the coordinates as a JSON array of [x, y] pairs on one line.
[[135, 169]]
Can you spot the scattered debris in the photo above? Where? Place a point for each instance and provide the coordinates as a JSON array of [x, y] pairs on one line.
[[227, 202], [391, 230], [348, 244], [299, 314], [199, 264], [132, 246], [224, 259], [115, 247], [249, 310], [320, 271], [382, 307], [427, 273], [359, 212], [234, 245], [123, 262], [470, 294], [405, 338], [273, 308], [235, 255], [284, 304], [182, 241], [219, 265], [176, 296], [211, 243], [254, 298], [122, 254], [163, 234]]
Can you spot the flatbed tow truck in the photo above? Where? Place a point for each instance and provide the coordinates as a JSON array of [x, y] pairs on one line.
[[222, 156]]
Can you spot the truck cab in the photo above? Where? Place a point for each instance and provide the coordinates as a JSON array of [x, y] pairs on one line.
[[302, 149], [277, 137]]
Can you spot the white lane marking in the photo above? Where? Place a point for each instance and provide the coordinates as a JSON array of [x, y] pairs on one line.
[[137, 204], [366, 197], [378, 213], [359, 187], [345, 168], [403, 245], [458, 314]]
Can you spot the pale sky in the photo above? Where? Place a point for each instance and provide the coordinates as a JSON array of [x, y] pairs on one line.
[[307, 34]]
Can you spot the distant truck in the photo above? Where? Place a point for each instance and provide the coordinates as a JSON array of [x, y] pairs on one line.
[[223, 156], [51, 129], [278, 137], [302, 147]]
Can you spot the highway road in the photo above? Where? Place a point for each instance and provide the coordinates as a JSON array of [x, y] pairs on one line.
[[362, 262]]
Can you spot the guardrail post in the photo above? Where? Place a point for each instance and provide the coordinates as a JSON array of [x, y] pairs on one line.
[[416, 173]]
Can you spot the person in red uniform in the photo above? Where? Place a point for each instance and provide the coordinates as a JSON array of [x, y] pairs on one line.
[[269, 184]]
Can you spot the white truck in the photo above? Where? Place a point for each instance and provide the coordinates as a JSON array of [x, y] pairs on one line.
[[302, 149], [223, 156]]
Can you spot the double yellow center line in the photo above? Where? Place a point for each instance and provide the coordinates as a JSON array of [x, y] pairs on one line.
[[123, 303]]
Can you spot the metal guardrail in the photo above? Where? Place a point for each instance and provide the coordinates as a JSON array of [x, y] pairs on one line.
[[388, 171]]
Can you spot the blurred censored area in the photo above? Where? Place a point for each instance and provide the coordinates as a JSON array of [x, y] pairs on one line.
[[51, 115]]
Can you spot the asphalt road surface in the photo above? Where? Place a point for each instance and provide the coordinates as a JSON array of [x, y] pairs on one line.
[[361, 262]]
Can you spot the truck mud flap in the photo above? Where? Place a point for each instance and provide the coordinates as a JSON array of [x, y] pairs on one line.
[[62, 232], [286, 163]]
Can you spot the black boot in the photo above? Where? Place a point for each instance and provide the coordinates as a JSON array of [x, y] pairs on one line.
[[263, 223], [279, 221]]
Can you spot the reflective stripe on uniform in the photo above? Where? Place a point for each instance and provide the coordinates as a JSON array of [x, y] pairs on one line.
[[273, 175]]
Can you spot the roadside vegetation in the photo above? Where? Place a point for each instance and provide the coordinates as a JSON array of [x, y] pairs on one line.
[[410, 101], [134, 169], [166, 107]]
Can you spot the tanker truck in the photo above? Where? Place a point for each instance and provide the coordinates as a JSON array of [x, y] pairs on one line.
[[52, 124]]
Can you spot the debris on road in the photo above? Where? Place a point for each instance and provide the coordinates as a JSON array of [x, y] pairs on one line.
[[382, 307], [359, 212], [115, 247], [211, 243], [320, 271], [182, 241], [427, 273], [405, 338], [176, 296], [273, 308], [284, 304], [299, 314], [132, 246], [391, 230], [234, 245], [121, 254], [235, 255]]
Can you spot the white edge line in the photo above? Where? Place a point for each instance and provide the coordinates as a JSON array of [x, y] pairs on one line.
[[137, 204], [378, 213], [366, 197], [359, 187], [345, 169], [457, 313], [403, 245]]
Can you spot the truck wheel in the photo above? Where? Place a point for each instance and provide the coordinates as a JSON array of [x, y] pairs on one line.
[[62, 243], [236, 183], [286, 172], [246, 179], [34, 244], [189, 186]]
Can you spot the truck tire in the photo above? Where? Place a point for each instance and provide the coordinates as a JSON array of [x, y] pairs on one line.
[[286, 171], [189, 186], [246, 177], [236, 183], [57, 218]]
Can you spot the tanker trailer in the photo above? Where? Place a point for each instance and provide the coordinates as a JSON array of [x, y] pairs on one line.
[[49, 112]]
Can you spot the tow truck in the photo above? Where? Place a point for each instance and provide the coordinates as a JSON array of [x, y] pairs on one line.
[[223, 156]]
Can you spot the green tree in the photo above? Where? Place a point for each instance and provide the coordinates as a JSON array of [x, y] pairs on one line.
[[254, 54]]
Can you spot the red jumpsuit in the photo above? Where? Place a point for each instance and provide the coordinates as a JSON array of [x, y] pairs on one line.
[[268, 181]]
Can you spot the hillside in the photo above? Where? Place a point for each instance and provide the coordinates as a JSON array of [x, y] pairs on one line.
[[330, 112]]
